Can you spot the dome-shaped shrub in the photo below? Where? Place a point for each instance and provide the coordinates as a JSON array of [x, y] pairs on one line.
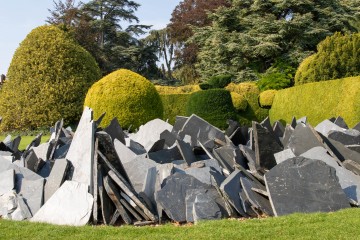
[[47, 80], [338, 56], [125, 95], [239, 101], [266, 98], [213, 105]]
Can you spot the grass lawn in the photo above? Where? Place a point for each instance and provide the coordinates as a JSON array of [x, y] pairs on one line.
[[343, 224], [26, 140]]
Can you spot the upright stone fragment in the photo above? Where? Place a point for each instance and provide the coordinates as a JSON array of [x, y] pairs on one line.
[[56, 178], [186, 151], [304, 185], [81, 152], [303, 139], [205, 208], [33, 193], [326, 126], [71, 205], [115, 131]]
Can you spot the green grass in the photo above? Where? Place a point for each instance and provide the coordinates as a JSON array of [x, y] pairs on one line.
[[26, 140], [340, 225]]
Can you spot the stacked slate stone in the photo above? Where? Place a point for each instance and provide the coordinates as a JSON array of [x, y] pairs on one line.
[[184, 173]]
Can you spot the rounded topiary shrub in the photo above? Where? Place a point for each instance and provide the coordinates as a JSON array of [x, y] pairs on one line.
[[266, 98], [126, 95], [47, 80], [213, 105], [239, 101], [337, 57]]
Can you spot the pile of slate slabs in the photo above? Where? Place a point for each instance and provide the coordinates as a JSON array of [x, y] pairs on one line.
[[183, 173]]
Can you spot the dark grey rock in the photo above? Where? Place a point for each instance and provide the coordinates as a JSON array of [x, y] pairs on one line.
[[287, 134], [201, 174], [115, 131], [355, 148], [265, 147], [205, 208], [56, 178], [155, 146], [341, 122], [227, 156], [293, 123], [179, 124], [186, 152], [233, 126], [32, 162], [303, 139], [304, 185], [62, 151], [348, 137], [166, 155], [14, 144], [342, 152], [169, 138], [54, 139], [7, 181], [137, 148], [279, 129], [107, 206]]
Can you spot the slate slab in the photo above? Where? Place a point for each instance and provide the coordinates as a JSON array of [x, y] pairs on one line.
[[62, 151], [56, 177], [186, 151], [124, 153], [33, 193], [115, 131], [81, 151], [201, 174], [303, 139], [287, 134], [279, 129], [169, 138], [43, 151], [342, 152], [71, 205], [304, 185], [179, 124], [341, 122], [283, 155], [22, 211], [7, 179], [32, 162], [107, 206], [166, 155], [326, 126], [205, 208], [347, 137]]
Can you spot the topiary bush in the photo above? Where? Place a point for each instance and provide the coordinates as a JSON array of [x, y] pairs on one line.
[[47, 80], [319, 101], [338, 56], [214, 105], [177, 90], [174, 105], [239, 101], [219, 81], [125, 95], [266, 98]]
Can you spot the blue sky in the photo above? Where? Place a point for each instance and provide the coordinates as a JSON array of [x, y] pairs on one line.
[[19, 17]]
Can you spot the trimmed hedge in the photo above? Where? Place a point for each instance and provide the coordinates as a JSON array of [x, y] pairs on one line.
[[126, 95], [47, 80], [214, 105], [266, 98], [174, 105], [177, 90], [239, 101], [319, 101]]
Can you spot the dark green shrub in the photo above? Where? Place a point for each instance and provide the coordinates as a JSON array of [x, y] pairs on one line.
[[174, 105], [204, 86], [47, 80], [214, 105], [338, 56], [126, 95], [219, 81]]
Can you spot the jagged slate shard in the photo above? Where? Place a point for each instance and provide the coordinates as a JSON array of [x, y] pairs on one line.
[[200, 130], [352, 166], [43, 151], [265, 147], [14, 144], [293, 123], [169, 138], [114, 195], [137, 169], [348, 137], [227, 154], [81, 151], [22, 211], [256, 200], [287, 134], [150, 185], [7, 179], [107, 207], [149, 133], [283, 155], [61, 151], [32, 162], [56, 178], [186, 152], [7, 204], [233, 126], [326, 126], [201, 174], [71, 204], [172, 196], [303, 139], [179, 124], [125, 154], [155, 146], [279, 129], [4, 148], [349, 182], [304, 185], [266, 124], [342, 152], [205, 208], [231, 188], [33, 193], [166, 155], [341, 122], [115, 131], [302, 120]]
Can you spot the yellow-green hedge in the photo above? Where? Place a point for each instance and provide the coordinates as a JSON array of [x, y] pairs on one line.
[[125, 95], [266, 98], [239, 101], [319, 101], [174, 105], [177, 90]]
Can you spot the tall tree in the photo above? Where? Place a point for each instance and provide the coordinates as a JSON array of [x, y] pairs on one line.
[[251, 35], [64, 13]]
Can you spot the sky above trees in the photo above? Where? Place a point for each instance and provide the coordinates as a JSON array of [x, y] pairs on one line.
[[19, 17]]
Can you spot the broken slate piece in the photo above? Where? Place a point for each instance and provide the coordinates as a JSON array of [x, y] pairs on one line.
[[283, 155], [107, 206], [169, 138], [56, 177], [71, 205], [32, 162], [341, 122], [201, 174], [303, 139], [179, 124], [304, 185], [326, 126], [166, 155], [33, 193], [7, 179], [22, 211], [186, 152], [125, 154], [205, 208], [347, 137], [279, 129], [115, 131]]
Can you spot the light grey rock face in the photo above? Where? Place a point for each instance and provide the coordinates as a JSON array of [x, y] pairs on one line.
[[149, 133], [32, 192], [201, 174], [304, 185], [205, 208], [8, 204], [7, 179], [81, 151], [124, 153], [326, 126], [56, 178], [303, 139], [284, 155], [71, 204], [347, 137], [42, 151], [22, 211]]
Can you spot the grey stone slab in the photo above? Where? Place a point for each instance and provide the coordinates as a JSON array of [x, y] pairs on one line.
[[135, 207], [233, 126], [186, 152], [114, 218], [8, 204], [150, 132], [228, 210], [227, 155], [279, 129], [71, 204], [14, 144], [62, 151], [303, 139], [341, 122], [43, 151], [137, 148], [56, 178], [166, 155], [352, 166], [179, 124], [258, 201], [304, 185], [231, 188], [246, 205], [265, 147], [287, 134], [172, 196], [115, 131], [266, 124], [347, 137], [55, 140], [150, 186], [164, 171], [293, 123], [125, 154], [132, 211], [114, 195], [7, 181], [342, 152], [169, 138], [208, 163], [200, 130], [22, 211], [95, 190], [155, 146], [250, 156], [201, 174], [33, 193], [32, 162], [107, 206], [205, 208], [81, 151], [326, 126], [137, 169], [283, 155], [45, 170]]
